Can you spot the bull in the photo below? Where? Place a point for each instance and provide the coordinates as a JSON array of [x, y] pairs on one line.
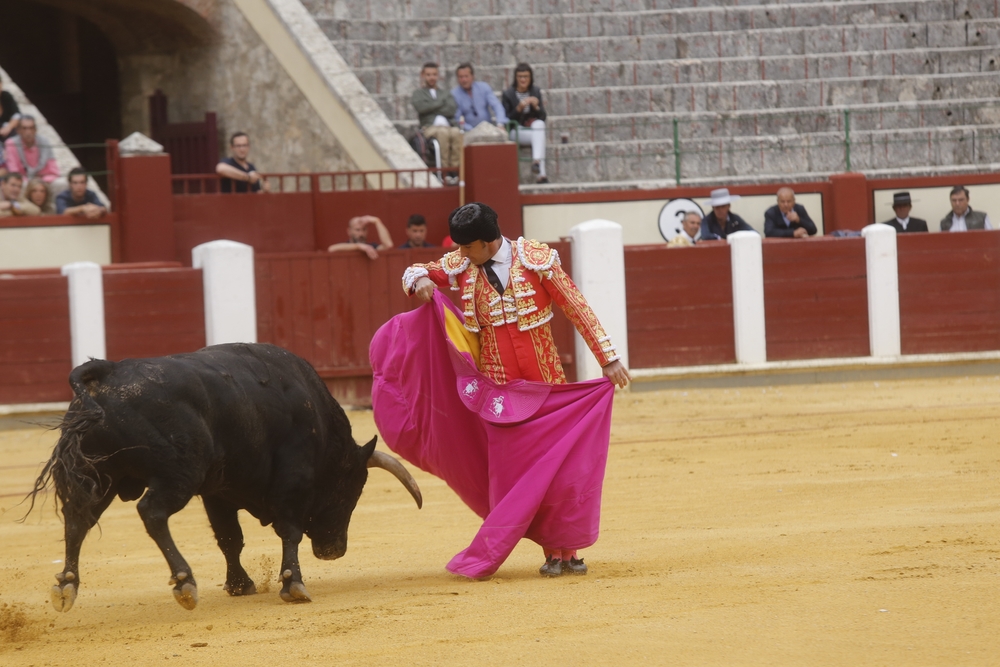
[[245, 426]]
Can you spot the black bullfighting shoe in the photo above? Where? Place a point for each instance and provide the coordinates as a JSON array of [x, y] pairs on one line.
[[552, 568], [575, 566]]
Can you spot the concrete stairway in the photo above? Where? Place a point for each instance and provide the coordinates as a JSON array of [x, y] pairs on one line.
[[748, 90]]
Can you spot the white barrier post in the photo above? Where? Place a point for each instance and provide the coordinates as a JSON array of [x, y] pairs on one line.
[[86, 311], [883, 290], [599, 272], [230, 298], [747, 260]]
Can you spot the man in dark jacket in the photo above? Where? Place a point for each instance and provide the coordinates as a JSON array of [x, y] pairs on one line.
[[523, 104], [436, 112], [788, 219], [720, 223], [901, 204]]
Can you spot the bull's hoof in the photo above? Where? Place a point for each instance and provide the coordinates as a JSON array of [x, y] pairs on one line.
[[64, 593], [186, 595], [295, 592], [246, 588]]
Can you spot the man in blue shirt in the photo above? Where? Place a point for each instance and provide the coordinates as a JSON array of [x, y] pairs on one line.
[[475, 100], [78, 200]]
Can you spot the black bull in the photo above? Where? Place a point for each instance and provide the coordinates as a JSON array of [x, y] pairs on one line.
[[244, 426]]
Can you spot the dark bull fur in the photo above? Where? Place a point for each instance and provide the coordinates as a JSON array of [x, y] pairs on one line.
[[244, 426]]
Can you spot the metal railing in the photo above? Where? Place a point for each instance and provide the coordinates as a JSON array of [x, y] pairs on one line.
[[346, 181], [869, 137]]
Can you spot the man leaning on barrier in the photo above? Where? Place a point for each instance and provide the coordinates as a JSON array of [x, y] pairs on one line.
[[787, 219], [902, 204], [720, 223], [962, 218]]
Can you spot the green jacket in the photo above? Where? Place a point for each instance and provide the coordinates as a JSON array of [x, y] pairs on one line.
[[427, 107]]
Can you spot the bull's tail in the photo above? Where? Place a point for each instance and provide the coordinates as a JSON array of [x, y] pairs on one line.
[[78, 483]]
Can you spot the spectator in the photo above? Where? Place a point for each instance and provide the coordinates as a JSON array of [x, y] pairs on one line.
[[475, 101], [690, 231], [436, 112], [11, 202], [962, 218], [788, 219], [10, 115], [720, 223], [357, 233], [523, 104], [239, 169], [78, 200], [37, 193], [901, 204], [416, 232], [30, 155]]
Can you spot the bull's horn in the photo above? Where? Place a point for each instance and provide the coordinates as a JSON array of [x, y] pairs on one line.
[[386, 462]]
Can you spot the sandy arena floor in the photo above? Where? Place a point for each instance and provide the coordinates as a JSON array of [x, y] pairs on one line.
[[814, 525]]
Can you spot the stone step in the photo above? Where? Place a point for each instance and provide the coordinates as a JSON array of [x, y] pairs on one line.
[[792, 155], [669, 21], [789, 11], [905, 62], [734, 96], [739, 44]]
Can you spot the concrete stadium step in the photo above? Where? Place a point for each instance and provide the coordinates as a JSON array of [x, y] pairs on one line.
[[820, 154], [904, 62], [736, 96], [738, 44], [738, 13]]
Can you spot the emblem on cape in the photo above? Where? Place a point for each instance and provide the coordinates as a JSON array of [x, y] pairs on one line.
[[471, 388], [498, 405]]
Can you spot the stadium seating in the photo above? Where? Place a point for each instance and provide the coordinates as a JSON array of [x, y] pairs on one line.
[[748, 90]]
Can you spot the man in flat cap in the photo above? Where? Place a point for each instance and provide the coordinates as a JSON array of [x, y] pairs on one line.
[[901, 204]]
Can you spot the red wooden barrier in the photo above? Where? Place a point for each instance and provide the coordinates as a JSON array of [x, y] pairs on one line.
[[152, 312], [193, 147], [815, 298], [680, 305], [35, 354], [948, 292]]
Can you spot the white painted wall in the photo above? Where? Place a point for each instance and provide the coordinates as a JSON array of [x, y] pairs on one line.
[[52, 247], [640, 219], [883, 290], [747, 257], [230, 296], [86, 311]]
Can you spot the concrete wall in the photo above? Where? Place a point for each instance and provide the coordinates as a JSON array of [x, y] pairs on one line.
[[48, 247]]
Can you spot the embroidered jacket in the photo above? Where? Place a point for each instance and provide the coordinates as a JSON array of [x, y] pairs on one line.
[[514, 332]]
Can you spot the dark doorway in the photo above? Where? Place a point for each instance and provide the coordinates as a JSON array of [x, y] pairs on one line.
[[69, 70]]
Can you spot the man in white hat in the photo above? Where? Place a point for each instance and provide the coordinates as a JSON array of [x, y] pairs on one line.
[[720, 223]]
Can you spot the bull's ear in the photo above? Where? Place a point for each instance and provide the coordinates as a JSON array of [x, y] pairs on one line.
[[369, 448]]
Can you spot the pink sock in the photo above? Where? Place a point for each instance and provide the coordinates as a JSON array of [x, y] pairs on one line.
[[568, 554]]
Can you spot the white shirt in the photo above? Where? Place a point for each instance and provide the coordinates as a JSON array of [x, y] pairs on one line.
[[502, 261], [439, 120], [903, 222], [958, 222]]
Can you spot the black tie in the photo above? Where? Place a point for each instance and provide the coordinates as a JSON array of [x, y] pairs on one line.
[[492, 276]]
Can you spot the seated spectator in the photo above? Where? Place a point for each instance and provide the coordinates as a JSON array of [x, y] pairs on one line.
[[436, 113], [901, 204], [720, 223], [788, 219], [475, 101], [416, 232], [238, 173], [30, 155], [962, 218], [10, 115], [11, 202], [37, 193], [357, 233], [523, 104], [79, 200], [690, 231]]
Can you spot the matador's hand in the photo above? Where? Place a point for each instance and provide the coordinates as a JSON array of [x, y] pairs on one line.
[[617, 373], [423, 289]]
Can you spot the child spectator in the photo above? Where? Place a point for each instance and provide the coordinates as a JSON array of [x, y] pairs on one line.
[[79, 200]]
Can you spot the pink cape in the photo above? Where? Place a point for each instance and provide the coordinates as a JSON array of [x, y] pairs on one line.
[[528, 457]]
